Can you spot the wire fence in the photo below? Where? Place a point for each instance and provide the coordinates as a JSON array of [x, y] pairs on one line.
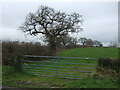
[[62, 67]]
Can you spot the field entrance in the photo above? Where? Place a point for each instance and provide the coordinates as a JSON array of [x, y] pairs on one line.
[[61, 67]]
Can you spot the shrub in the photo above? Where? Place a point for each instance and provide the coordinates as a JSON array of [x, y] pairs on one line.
[[107, 63], [12, 50]]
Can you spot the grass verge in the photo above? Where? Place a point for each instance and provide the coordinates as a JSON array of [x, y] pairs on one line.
[[13, 78], [25, 80]]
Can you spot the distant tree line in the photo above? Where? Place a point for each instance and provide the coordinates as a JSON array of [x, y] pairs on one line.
[[71, 42], [89, 42]]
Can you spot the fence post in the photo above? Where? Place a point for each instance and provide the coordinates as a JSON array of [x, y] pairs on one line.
[[18, 65]]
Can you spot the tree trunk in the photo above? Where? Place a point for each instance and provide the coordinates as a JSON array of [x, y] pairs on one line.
[[52, 46], [83, 44], [52, 49]]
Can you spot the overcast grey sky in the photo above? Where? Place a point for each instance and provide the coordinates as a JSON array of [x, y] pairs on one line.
[[100, 18]]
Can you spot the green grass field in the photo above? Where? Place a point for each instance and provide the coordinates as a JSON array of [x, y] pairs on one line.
[[11, 78], [25, 79], [94, 52]]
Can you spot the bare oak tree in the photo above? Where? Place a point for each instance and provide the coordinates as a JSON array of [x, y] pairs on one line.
[[52, 24], [83, 40], [68, 41], [89, 42], [97, 43]]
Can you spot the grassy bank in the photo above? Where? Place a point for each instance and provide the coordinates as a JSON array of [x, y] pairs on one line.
[[13, 78], [25, 80]]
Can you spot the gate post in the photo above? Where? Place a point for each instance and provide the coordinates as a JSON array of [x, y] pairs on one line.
[[18, 65]]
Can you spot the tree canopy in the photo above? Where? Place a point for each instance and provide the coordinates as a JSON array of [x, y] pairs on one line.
[[52, 24]]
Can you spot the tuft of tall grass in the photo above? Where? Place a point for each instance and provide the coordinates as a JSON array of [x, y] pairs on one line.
[[105, 82]]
